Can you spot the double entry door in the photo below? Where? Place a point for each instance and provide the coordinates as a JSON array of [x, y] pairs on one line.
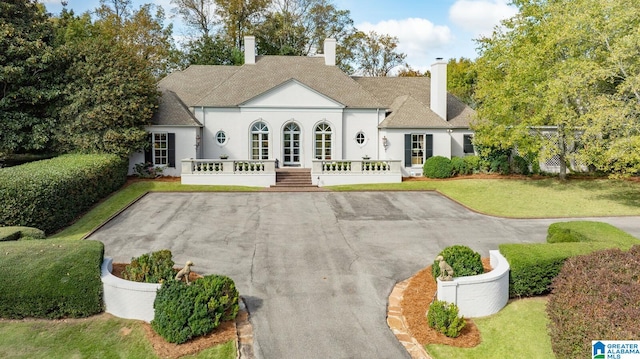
[[291, 145]]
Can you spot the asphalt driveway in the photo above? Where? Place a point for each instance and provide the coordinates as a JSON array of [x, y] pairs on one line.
[[315, 268]]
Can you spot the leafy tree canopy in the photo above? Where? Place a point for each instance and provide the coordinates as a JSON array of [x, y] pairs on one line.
[[571, 65]]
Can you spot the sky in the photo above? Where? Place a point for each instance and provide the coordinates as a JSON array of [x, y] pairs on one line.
[[426, 29]]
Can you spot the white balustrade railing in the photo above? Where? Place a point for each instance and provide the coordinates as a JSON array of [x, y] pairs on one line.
[[212, 167], [372, 167]]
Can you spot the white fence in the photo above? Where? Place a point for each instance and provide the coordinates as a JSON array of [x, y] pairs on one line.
[[479, 295]]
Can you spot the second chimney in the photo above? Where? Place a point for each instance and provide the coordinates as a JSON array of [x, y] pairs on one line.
[[330, 52], [249, 50], [439, 88]]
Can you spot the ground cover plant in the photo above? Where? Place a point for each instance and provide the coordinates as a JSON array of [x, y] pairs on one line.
[[535, 265], [595, 296], [50, 279]]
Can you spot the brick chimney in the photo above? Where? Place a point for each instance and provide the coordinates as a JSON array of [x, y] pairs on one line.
[[439, 88], [249, 50]]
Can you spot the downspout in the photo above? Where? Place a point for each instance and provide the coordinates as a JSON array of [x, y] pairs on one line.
[[204, 126]]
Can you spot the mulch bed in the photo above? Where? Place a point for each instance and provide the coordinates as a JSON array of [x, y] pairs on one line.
[[420, 292]]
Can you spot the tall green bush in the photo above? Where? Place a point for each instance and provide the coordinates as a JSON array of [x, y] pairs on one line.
[[156, 267], [50, 194], [473, 163], [186, 311], [459, 166], [437, 167], [464, 261], [595, 296], [50, 279]]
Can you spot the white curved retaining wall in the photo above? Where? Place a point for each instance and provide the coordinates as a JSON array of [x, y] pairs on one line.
[[127, 299], [479, 295]]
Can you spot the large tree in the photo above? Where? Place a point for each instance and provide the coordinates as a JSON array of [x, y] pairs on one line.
[[375, 54], [237, 17], [110, 98], [570, 65], [199, 15], [29, 77]]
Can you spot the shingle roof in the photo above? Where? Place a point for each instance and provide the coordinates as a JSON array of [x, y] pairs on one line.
[[173, 112], [196, 81], [409, 100], [268, 72]]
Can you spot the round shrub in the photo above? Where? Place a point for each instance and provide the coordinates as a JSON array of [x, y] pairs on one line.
[[459, 166], [462, 259], [186, 311], [437, 167], [443, 317], [156, 267], [594, 296]]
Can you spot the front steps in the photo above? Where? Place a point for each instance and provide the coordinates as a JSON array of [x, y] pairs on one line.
[[293, 179]]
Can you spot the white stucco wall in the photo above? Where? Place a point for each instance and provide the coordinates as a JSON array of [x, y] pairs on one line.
[[185, 147], [457, 143], [127, 299], [395, 149], [479, 295], [365, 121]]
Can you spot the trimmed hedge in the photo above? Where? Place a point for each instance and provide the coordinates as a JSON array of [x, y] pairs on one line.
[[186, 311], [595, 296], [50, 194], [437, 167], [559, 233], [534, 265], [15, 233], [50, 279]]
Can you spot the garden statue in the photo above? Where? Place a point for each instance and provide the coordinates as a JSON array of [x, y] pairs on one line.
[[446, 272], [184, 272]]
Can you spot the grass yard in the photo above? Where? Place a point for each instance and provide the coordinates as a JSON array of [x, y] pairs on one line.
[[517, 331], [530, 198], [101, 336]]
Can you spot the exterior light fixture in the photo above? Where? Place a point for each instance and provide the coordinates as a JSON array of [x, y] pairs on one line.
[[385, 142]]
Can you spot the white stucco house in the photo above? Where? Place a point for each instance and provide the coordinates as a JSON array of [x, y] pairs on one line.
[[238, 124]]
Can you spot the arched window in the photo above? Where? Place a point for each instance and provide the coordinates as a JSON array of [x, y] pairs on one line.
[[323, 141], [259, 141]]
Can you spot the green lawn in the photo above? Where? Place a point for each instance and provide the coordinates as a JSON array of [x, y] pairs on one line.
[[517, 331], [530, 198], [96, 337]]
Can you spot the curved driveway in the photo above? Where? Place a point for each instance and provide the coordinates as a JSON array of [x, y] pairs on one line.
[[315, 268]]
